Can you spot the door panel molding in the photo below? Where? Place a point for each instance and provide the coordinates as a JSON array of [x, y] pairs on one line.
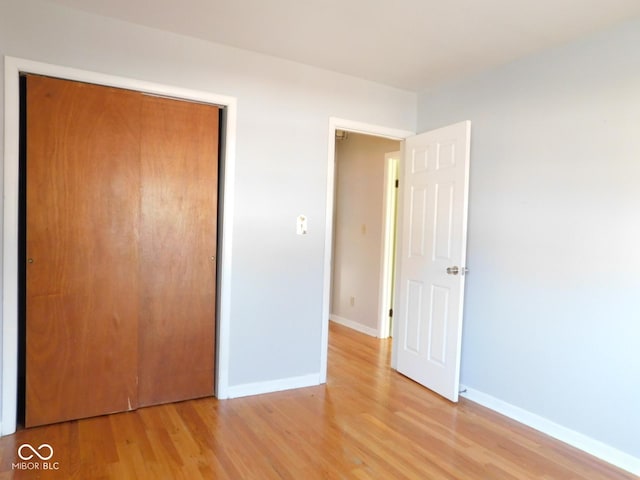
[[13, 67]]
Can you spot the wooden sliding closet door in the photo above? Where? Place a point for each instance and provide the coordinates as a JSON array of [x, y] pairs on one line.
[[82, 227], [121, 218], [179, 148]]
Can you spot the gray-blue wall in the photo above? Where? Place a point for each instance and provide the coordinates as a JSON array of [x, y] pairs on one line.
[[552, 308]]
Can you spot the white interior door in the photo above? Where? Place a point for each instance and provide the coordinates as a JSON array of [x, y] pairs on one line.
[[431, 258]]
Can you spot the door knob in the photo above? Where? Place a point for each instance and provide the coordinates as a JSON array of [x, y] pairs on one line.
[[453, 270]]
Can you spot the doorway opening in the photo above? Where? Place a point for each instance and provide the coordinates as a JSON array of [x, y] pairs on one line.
[[434, 186], [354, 127], [364, 232]]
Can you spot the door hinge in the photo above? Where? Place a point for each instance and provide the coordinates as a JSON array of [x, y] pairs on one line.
[[391, 312], [397, 183]]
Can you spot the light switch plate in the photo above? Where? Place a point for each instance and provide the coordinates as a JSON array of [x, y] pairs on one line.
[[301, 225]]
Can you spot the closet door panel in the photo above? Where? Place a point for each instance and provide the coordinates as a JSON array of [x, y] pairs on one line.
[[82, 285], [179, 160]]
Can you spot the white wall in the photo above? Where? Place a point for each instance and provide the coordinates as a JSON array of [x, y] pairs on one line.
[[358, 225], [281, 162], [552, 310]]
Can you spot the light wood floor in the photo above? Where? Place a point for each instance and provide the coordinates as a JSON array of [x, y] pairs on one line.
[[367, 422]]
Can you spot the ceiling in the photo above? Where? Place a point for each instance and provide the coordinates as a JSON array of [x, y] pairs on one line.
[[410, 44]]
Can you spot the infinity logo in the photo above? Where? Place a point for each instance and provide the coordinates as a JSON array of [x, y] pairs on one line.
[[37, 452]]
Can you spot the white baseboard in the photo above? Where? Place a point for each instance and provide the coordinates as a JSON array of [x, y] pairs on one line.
[[354, 325], [244, 390], [578, 440]]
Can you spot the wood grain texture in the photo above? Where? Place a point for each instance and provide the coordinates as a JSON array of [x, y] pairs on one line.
[[121, 225], [82, 228], [179, 190], [367, 422]]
